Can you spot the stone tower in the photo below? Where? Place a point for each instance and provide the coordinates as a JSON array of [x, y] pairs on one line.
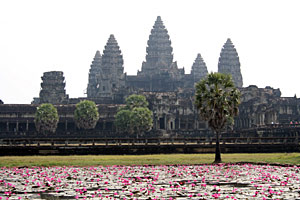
[[199, 69], [94, 75], [229, 63], [159, 58], [53, 88], [111, 75]]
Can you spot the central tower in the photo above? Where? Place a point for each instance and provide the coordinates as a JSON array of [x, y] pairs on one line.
[[159, 58]]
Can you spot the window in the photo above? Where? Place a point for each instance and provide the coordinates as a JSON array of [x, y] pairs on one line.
[[162, 123]]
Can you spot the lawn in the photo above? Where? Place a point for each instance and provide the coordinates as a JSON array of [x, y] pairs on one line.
[[159, 159]]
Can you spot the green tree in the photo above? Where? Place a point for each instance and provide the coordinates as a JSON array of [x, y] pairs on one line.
[[141, 120], [135, 117], [135, 101], [46, 118], [123, 121], [217, 100], [86, 114]]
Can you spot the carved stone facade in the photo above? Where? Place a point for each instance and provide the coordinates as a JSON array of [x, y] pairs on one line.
[[53, 88], [18, 120], [173, 114], [174, 111], [229, 63], [265, 106]]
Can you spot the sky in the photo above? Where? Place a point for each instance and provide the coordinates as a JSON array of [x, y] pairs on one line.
[[37, 36]]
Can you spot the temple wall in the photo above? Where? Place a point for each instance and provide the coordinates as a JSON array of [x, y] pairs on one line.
[[173, 112]]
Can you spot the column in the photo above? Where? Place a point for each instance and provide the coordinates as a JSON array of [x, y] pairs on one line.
[[27, 125], [17, 126], [104, 125], [154, 121], [165, 122], [66, 125]]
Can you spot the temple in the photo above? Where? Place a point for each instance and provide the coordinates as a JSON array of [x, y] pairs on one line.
[[169, 90], [108, 83]]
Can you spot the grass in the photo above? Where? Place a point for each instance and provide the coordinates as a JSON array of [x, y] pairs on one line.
[[160, 159]]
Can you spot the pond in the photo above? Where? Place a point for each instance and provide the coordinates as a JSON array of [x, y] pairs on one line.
[[222, 181]]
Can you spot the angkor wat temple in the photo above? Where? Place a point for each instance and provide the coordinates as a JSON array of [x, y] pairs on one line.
[[168, 88]]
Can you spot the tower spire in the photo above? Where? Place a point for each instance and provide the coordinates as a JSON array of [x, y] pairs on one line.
[[94, 74], [229, 63], [199, 69], [159, 44], [112, 56], [159, 57], [112, 77]]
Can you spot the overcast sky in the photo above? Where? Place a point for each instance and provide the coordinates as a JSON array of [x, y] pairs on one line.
[[64, 35]]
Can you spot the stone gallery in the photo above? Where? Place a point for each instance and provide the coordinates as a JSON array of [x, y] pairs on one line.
[[168, 88]]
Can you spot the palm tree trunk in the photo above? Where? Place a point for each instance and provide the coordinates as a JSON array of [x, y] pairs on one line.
[[218, 149]]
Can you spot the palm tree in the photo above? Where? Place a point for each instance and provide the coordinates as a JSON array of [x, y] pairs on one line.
[[217, 100]]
